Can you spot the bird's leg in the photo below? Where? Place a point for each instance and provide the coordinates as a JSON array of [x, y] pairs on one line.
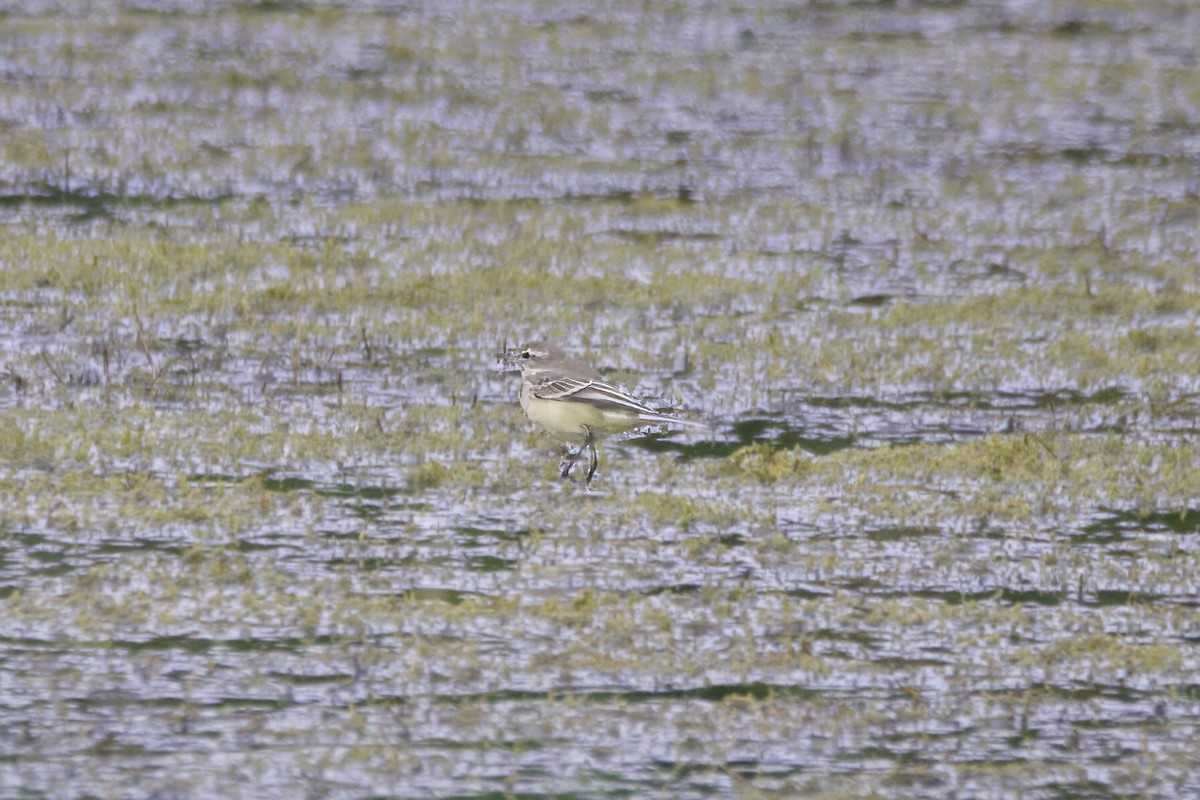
[[568, 461], [589, 442]]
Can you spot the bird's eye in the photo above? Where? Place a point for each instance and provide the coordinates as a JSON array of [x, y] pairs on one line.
[[526, 354]]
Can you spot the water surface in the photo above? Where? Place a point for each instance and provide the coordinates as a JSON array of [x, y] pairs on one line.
[[272, 522]]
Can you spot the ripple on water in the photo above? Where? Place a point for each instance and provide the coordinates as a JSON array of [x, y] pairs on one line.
[[269, 517]]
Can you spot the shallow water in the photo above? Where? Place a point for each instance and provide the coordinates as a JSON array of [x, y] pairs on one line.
[[271, 521]]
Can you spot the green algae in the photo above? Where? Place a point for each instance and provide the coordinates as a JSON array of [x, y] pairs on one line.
[[261, 485]]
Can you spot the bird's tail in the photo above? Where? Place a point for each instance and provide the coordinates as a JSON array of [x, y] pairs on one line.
[[683, 423]]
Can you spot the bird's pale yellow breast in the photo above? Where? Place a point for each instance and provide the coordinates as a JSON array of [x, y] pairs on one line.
[[565, 418]]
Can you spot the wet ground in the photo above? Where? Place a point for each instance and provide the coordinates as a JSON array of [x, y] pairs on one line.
[[272, 522]]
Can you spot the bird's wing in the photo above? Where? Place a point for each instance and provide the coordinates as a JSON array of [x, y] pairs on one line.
[[596, 393], [604, 395]]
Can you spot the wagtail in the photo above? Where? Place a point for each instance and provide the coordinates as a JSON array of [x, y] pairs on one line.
[[574, 402]]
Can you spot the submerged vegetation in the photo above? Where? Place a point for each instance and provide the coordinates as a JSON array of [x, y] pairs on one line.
[[263, 489]]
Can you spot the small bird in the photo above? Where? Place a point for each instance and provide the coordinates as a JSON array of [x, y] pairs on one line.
[[571, 400]]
